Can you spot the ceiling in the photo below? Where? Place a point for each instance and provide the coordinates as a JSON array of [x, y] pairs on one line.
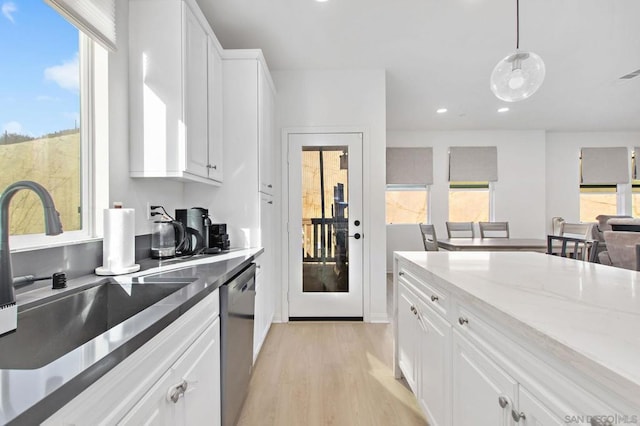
[[440, 53]]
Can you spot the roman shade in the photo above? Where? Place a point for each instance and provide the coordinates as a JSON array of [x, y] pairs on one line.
[[604, 166], [473, 164], [96, 18], [410, 166]]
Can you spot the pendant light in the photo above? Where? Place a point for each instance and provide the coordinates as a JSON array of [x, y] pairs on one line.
[[520, 74]]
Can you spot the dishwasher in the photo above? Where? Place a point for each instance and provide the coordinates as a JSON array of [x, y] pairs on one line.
[[237, 298]]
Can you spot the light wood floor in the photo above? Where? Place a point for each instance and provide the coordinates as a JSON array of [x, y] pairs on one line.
[[311, 374]]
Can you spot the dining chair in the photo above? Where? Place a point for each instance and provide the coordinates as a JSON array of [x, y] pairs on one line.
[[460, 229], [577, 230], [429, 237], [574, 248], [494, 229]]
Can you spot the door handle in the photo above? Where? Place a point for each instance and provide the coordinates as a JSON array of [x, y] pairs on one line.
[[357, 236]]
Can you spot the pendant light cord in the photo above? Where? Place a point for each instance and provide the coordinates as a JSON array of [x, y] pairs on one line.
[[517, 24]]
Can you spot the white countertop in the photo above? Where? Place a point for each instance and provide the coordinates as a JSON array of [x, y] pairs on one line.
[[587, 314]]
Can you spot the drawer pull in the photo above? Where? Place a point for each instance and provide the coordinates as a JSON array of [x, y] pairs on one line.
[[401, 274], [434, 298], [463, 321], [177, 391], [517, 416]]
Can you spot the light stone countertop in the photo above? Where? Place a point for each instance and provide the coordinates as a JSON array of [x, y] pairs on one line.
[[586, 314], [28, 396]]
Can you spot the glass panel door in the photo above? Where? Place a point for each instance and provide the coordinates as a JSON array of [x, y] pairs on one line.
[[325, 184]]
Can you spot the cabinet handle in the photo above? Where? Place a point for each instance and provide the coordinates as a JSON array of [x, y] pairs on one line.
[[269, 186], [517, 416], [413, 309], [463, 321], [269, 202], [209, 166], [401, 274], [434, 298], [503, 401], [177, 391]]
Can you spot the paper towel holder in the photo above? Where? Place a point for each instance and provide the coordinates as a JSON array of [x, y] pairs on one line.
[[113, 262]]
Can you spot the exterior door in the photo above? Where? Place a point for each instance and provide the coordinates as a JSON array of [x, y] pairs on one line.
[[325, 225]]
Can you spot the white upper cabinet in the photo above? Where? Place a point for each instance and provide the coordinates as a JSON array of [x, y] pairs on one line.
[[266, 132], [175, 92]]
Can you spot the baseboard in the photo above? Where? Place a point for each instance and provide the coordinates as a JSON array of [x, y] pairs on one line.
[[379, 318]]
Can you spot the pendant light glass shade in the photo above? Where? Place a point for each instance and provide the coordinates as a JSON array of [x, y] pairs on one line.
[[517, 76]]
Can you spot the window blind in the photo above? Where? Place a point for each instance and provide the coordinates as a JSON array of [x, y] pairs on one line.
[[473, 164], [410, 166], [604, 166], [96, 18]]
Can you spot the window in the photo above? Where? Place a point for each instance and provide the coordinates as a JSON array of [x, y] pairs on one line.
[[407, 204], [596, 200], [46, 118], [635, 198], [469, 202]]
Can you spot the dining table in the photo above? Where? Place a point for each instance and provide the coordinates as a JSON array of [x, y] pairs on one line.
[[493, 244]]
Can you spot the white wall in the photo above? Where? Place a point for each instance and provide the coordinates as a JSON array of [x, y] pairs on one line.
[[134, 193], [519, 191], [344, 98], [563, 168]]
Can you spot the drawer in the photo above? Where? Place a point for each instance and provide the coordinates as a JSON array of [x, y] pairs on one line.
[[434, 297]]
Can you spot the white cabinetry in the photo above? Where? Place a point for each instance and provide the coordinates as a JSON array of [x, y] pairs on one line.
[[466, 369], [265, 287], [175, 91], [183, 361], [424, 348], [188, 392], [266, 131]]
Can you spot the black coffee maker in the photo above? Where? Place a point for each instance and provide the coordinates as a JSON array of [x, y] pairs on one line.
[[196, 223]]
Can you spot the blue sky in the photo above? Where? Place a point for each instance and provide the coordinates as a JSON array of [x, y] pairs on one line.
[[38, 69]]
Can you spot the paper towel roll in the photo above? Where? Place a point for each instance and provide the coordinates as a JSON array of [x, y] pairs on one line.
[[118, 245]]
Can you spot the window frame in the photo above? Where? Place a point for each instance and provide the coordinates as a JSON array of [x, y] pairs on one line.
[[93, 113], [409, 187]]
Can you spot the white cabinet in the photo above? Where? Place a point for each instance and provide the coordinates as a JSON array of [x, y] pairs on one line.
[[189, 392], [424, 351], [434, 365], [267, 137], [182, 360], [407, 335], [465, 368], [265, 284], [175, 90], [481, 389]]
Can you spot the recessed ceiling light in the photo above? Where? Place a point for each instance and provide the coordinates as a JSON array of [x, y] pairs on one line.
[[322, 1], [503, 109], [441, 110]]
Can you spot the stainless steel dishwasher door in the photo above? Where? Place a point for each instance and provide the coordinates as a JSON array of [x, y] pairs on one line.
[[237, 298]]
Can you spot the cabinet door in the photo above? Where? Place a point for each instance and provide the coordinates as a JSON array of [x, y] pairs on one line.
[[196, 94], [483, 393], [407, 335], [266, 131], [154, 408], [199, 368], [259, 314], [215, 112], [434, 373], [535, 412], [193, 381]]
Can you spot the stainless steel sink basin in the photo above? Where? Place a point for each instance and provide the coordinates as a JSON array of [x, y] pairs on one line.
[[52, 328]]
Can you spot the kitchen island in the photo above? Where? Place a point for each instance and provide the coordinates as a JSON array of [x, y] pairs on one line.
[[128, 356], [513, 336]]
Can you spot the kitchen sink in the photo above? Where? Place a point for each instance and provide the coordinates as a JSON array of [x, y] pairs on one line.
[[53, 327]]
